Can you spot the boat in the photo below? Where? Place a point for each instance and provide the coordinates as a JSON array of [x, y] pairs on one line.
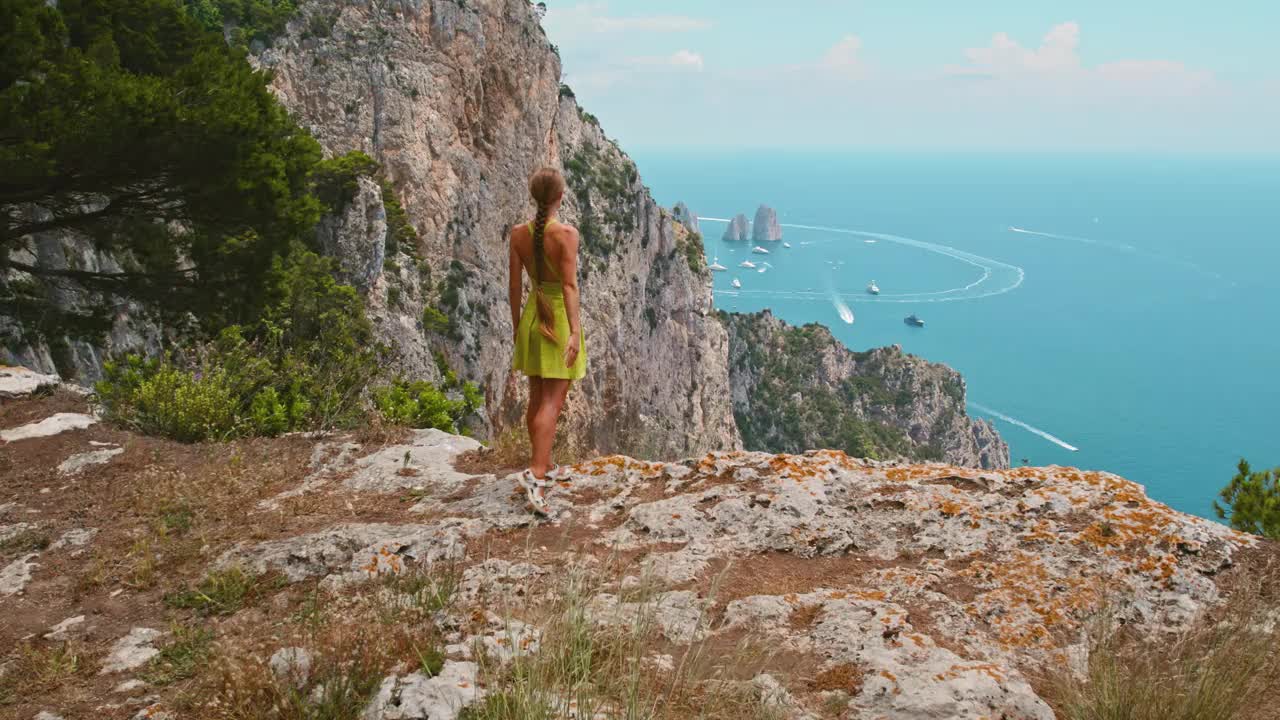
[[747, 264], [869, 242], [873, 288], [763, 269], [737, 283], [786, 244], [913, 321], [759, 250], [715, 266]]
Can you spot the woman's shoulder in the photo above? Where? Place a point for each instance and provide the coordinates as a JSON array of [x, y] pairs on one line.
[[564, 231]]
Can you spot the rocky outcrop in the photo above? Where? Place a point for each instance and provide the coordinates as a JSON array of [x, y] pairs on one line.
[[74, 350], [356, 237], [739, 229], [685, 216], [459, 103], [880, 589], [798, 388], [766, 227]]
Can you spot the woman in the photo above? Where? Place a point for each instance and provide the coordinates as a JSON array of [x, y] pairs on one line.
[[549, 346]]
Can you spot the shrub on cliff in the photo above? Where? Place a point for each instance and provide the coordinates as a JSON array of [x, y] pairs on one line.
[[304, 365], [1251, 501]]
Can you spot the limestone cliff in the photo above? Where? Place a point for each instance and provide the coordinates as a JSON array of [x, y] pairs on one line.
[[685, 216], [796, 388], [460, 102], [739, 229], [766, 227]]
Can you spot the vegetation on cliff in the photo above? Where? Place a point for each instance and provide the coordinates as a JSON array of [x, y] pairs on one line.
[[179, 162], [1251, 501], [797, 388]]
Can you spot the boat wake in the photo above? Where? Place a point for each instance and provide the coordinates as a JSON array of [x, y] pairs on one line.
[[996, 278], [1073, 238], [1123, 247], [1029, 428]]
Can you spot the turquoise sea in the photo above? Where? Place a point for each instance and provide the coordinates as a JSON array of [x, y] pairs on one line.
[[1134, 314]]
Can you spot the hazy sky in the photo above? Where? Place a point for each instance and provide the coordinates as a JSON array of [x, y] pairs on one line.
[[1129, 75]]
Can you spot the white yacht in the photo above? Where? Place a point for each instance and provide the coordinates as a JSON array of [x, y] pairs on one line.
[[747, 264], [759, 250], [737, 283], [873, 288], [766, 267], [715, 265], [786, 244]]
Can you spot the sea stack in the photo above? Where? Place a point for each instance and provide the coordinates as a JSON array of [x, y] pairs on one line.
[[766, 227], [739, 229], [686, 217]]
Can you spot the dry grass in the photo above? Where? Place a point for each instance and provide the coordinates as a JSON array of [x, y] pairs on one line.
[[41, 668], [1225, 667], [510, 452], [582, 668], [355, 638]]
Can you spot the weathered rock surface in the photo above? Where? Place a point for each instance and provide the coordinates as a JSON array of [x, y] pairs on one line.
[[77, 463], [739, 229], [415, 696], [357, 237], [15, 576], [796, 388], [937, 587], [460, 102], [17, 382], [685, 216], [766, 227], [52, 425], [132, 651]]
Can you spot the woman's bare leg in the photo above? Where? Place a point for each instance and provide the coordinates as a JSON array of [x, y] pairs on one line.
[[542, 427], [535, 402]]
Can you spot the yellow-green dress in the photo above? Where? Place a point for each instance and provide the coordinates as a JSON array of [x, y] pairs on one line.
[[537, 356]]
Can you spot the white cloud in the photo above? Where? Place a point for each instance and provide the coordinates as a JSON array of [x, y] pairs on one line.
[[1004, 56], [1055, 68], [595, 18], [844, 55], [678, 59]]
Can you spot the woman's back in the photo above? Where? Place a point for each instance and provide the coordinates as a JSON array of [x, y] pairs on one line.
[[555, 241]]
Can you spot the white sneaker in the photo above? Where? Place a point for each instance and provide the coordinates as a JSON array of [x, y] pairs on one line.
[[533, 488]]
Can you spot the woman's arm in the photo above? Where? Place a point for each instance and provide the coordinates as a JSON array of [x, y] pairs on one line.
[[568, 267], [515, 283]]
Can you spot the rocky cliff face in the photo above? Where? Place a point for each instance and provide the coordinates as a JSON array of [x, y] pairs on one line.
[[685, 216], [796, 388], [766, 227], [460, 102], [739, 229]]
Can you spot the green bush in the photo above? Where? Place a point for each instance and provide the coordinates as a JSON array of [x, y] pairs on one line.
[[304, 365], [435, 321], [420, 404], [1251, 501], [334, 181]]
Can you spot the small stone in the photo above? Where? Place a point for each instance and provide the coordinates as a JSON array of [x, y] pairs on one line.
[[132, 651], [76, 538], [78, 462], [15, 576], [291, 665], [60, 631], [46, 715], [129, 686]]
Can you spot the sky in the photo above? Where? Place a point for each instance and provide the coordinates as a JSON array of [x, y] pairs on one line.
[[927, 75]]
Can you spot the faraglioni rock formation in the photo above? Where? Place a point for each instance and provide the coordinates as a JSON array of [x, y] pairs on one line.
[[766, 227], [739, 229], [917, 590], [797, 388], [685, 216]]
